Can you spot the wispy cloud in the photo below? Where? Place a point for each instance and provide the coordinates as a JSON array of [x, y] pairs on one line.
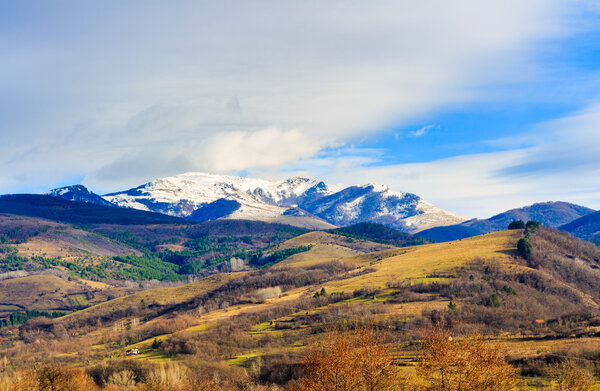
[[563, 165], [425, 129], [275, 88], [196, 85]]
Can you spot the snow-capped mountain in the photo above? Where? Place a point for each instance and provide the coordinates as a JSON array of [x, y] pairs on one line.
[[297, 201], [248, 198], [78, 193], [378, 204]]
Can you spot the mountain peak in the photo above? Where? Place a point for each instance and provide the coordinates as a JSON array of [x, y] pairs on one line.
[[377, 187], [78, 193], [197, 195]]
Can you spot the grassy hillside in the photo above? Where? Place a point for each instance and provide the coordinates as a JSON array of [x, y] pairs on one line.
[[133, 252], [261, 322], [324, 246], [88, 263], [24, 297], [381, 234], [48, 292], [432, 261], [149, 299]]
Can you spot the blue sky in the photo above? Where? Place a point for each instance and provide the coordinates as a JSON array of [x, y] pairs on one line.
[[476, 106]]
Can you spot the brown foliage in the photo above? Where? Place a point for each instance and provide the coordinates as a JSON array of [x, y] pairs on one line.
[[352, 361], [571, 377], [48, 378], [18, 381], [465, 364]]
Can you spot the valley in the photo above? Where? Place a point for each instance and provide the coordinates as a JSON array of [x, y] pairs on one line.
[[112, 293], [265, 294]]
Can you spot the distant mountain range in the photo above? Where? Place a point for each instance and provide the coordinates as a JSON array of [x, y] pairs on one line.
[[586, 227], [311, 204], [297, 201], [551, 214], [77, 212]]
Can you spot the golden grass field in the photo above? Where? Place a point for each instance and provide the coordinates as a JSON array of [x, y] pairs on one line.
[[383, 264], [326, 247], [162, 296], [428, 260], [416, 264], [40, 292]]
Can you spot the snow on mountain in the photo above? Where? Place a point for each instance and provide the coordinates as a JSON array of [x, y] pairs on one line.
[[201, 196], [78, 193], [196, 194], [377, 203]]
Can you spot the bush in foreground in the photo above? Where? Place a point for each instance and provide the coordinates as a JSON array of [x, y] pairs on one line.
[[465, 364], [358, 360]]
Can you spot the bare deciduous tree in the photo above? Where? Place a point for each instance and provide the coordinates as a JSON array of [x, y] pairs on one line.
[[351, 361], [464, 364]]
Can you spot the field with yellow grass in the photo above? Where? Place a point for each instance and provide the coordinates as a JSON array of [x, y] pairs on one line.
[[541, 310]]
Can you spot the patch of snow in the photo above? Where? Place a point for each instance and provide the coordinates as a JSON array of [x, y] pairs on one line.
[[260, 199]]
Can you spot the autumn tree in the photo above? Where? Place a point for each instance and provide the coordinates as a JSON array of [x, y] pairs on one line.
[[59, 378], [570, 377], [18, 381], [350, 361], [463, 365]]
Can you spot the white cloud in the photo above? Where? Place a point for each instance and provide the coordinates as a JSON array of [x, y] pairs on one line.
[[267, 148], [225, 86], [564, 164], [420, 132]]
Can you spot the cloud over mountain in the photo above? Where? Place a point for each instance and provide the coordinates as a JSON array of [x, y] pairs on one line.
[[168, 84]]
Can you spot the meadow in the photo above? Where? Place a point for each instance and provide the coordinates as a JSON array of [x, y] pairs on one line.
[[535, 315]]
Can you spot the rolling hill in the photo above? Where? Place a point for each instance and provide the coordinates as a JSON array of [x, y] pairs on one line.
[[379, 233], [550, 214], [271, 317], [586, 227], [75, 212], [93, 252]]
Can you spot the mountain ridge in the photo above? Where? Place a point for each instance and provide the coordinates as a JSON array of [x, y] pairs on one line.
[[295, 200], [586, 227], [78, 193], [552, 214]]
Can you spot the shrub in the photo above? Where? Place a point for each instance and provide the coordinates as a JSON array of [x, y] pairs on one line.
[[492, 301], [359, 360], [54, 377], [524, 248], [268, 293], [465, 364], [516, 224], [123, 379], [571, 377], [532, 225], [509, 290]]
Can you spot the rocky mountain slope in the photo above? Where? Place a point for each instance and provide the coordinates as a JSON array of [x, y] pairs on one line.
[[297, 201], [78, 193]]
